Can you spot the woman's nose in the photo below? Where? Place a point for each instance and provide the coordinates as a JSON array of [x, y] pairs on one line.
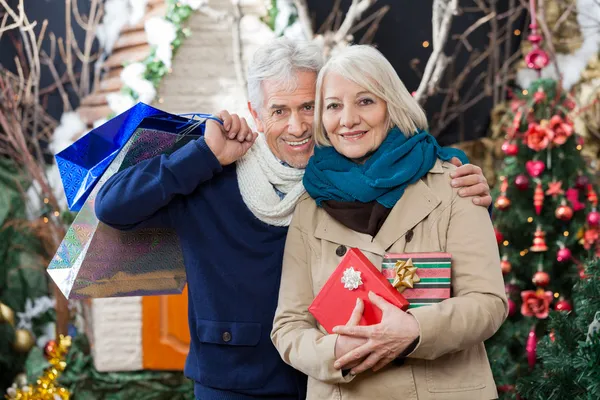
[[349, 117]]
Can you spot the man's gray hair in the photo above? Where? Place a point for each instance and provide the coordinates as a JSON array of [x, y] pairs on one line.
[[280, 60]]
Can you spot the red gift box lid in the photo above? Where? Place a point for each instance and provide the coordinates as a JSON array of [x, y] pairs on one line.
[[334, 303]]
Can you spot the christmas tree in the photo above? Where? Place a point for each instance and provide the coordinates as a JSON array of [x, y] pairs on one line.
[[545, 219], [570, 355]]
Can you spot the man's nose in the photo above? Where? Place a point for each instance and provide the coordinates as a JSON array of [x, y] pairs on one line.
[[295, 126]]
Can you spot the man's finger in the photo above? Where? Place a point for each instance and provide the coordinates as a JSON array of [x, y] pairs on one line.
[[224, 116], [481, 189], [456, 161], [369, 362], [356, 313], [484, 201], [357, 331], [352, 356], [467, 169], [235, 127], [241, 136], [466, 181]]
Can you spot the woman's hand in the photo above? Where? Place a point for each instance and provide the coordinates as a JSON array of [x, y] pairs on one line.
[[384, 341], [345, 344]]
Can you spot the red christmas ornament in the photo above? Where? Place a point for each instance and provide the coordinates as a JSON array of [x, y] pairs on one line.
[[563, 305], [538, 136], [536, 303], [535, 168], [590, 236], [593, 218], [512, 308], [581, 271], [499, 236], [510, 148], [573, 196], [538, 198], [581, 182], [552, 336], [511, 289], [539, 96], [505, 266], [563, 254], [554, 188], [50, 349], [564, 212], [541, 279], [531, 348], [522, 182], [563, 129], [592, 196], [502, 202], [539, 241]]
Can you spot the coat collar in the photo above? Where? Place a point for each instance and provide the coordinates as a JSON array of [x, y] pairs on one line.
[[417, 202]]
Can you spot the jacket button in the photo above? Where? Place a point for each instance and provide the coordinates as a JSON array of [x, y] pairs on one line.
[[409, 235], [226, 337], [341, 250]]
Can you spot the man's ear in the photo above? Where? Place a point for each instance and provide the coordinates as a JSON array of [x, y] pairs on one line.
[[257, 121]]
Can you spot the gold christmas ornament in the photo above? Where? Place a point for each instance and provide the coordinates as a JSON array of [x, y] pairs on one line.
[[7, 314], [46, 387], [24, 341], [406, 275]]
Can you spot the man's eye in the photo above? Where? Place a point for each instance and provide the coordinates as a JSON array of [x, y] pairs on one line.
[[309, 108], [277, 112]]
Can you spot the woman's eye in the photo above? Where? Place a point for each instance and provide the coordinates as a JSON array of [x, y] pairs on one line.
[[366, 101], [332, 106]]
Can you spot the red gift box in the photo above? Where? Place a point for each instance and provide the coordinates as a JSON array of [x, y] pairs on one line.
[[354, 277]]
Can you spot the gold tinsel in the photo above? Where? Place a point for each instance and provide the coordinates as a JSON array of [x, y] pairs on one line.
[[46, 386]]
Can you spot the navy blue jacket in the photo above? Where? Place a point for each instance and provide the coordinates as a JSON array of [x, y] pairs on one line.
[[233, 266]]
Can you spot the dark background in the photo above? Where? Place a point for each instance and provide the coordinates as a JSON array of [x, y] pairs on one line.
[[400, 36]]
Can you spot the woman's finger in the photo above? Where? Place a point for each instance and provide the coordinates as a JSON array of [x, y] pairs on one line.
[[352, 356], [369, 362], [356, 313]]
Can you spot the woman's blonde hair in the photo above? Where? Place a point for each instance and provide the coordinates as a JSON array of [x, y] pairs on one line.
[[368, 68]]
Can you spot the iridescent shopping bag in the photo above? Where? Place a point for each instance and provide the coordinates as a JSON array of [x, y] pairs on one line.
[[95, 260], [82, 164]]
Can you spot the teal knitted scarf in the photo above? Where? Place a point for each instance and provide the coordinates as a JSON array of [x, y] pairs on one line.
[[397, 163]]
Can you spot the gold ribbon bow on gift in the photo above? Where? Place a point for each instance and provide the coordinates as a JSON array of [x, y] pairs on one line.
[[406, 275]]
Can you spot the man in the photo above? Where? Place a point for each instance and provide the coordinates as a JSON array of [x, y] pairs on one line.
[[230, 196]]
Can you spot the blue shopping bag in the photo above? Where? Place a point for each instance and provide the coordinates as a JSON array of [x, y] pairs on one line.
[[94, 260]]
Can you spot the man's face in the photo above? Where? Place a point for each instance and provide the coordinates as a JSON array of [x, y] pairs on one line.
[[286, 119]]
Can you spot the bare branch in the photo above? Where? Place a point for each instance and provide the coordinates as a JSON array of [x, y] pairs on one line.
[[441, 39], [304, 19]]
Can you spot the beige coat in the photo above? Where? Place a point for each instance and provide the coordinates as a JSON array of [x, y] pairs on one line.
[[450, 361]]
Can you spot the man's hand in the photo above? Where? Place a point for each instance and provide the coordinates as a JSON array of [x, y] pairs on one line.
[[345, 344], [470, 179], [230, 141], [385, 341]]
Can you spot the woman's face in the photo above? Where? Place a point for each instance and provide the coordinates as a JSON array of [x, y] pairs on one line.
[[355, 120]]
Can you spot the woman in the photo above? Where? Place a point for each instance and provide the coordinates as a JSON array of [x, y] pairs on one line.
[[377, 182]]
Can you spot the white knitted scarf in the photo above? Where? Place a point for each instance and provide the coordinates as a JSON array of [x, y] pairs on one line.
[[258, 173]]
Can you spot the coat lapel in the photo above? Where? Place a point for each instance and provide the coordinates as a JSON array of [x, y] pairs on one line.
[[417, 202]]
